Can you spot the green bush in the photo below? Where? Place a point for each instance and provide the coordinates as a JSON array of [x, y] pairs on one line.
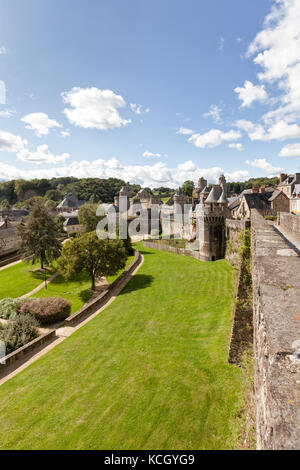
[[9, 308], [271, 217], [72, 234], [18, 332], [47, 310]]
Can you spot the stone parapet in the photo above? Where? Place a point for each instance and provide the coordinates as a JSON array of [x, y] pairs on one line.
[[276, 316]]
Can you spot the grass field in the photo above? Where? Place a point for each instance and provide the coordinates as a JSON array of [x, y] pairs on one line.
[[19, 279], [78, 291], [149, 372]]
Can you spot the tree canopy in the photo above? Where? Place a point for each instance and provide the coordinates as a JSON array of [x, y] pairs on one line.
[[40, 237], [97, 257]]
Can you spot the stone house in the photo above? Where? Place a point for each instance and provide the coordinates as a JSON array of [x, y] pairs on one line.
[[287, 183], [279, 202], [295, 200]]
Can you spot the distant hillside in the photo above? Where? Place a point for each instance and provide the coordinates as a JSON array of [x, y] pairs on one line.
[[16, 192]]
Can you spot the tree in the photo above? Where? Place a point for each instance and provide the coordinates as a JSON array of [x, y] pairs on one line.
[[4, 204], [97, 257], [88, 218], [40, 236], [188, 187]]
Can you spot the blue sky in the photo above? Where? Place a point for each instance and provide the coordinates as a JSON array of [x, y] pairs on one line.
[[154, 92]]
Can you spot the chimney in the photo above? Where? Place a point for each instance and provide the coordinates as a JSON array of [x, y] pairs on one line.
[[255, 189], [283, 176], [262, 189]]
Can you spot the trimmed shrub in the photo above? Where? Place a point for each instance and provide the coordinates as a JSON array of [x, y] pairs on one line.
[[47, 309], [18, 332], [9, 308]]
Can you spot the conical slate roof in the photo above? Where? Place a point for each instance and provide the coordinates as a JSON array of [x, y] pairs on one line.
[[223, 199], [213, 195], [205, 190]]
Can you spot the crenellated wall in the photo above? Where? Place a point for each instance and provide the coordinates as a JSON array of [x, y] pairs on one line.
[[276, 317]]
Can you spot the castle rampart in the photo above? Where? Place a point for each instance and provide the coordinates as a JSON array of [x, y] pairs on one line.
[[276, 300]]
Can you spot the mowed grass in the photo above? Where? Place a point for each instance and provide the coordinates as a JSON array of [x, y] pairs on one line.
[[77, 291], [19, 279], [149, 372]]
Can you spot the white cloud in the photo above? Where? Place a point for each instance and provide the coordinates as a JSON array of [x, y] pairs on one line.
[[221, 43], [40, 123], [214, 112], [264, 165], [250, 93], [213, 138], [290, 150], [41, 155], [138, 108], [147, 153], [185, 131], [239, 147], [281, 130], [276, 49], [146, 175], [7, 113], [3, 50], [92, 108], [10, 142], [65, 133]]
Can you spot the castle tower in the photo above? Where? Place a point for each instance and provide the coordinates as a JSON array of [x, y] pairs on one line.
[[211, 215]]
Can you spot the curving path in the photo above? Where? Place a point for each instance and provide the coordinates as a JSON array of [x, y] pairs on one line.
[[63, 332]]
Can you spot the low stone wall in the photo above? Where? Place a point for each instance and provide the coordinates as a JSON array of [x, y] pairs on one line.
[[21, 352], [95, 304], [172, 249], [290, 223], [276, 316]]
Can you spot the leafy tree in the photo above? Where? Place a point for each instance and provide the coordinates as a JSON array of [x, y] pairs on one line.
[[97, 257], [4, 204], [188, 187], [40, 235], [88, 218]]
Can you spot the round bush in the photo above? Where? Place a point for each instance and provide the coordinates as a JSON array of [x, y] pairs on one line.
[[47, 310], [9, 308], [18, 332]]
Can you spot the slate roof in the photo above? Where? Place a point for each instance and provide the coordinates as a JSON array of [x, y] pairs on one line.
[[71, 221], [214, 195], [275, 194], [223, 199], [257, 201]]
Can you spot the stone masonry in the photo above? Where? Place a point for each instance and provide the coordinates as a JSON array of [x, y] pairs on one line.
[[276, 299]]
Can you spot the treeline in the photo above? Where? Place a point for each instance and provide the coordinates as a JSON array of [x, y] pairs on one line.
[[94, 190], [238, 187]]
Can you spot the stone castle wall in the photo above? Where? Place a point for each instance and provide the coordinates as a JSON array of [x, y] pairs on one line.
[[9, 241], [290, 223], [276, 317]]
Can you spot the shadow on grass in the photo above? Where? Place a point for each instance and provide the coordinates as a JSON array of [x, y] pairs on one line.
[[147, 252], [85, 295], [139, 281]]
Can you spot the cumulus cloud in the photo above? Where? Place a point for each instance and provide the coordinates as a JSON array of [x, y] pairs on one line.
[[213, 138], [10, 142], [250, 93], [138, 108], [65, 133], [185, 131], [281, 130], [290, 150], [40, 123], [146, 175], [264, 165], [7, 113], [41, 155], [147, 153], [238, 146], [92, 108], [214, 112], [3, 50], [276, 50]]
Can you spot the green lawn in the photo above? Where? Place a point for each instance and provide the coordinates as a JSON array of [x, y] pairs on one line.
[[78, 291], [19, 279], [149, 372]]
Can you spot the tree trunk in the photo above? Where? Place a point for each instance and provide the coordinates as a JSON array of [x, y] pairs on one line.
[[93, 282]]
